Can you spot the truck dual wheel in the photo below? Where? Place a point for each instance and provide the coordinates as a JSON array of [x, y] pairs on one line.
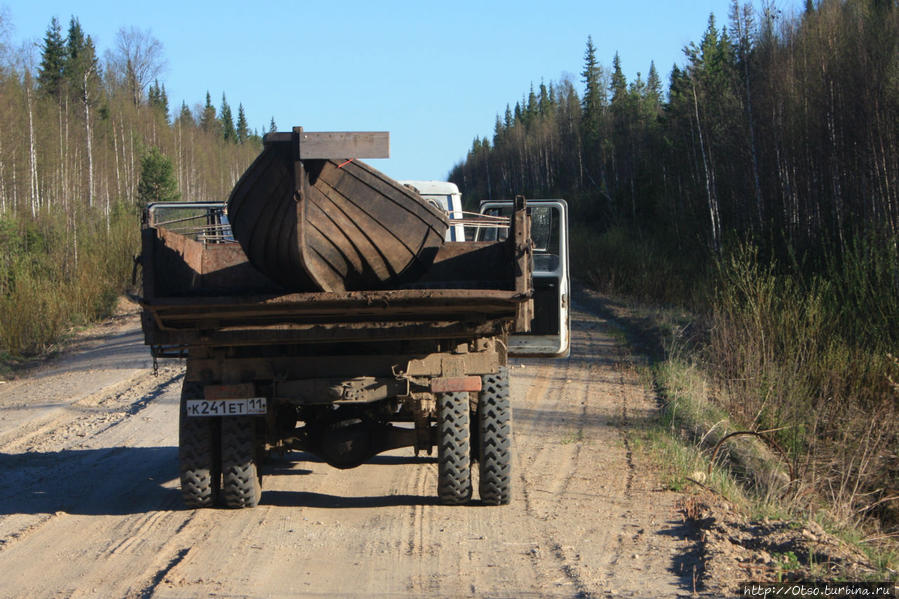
[[453, 449], [198, 453], [241, 481], [495, 437]]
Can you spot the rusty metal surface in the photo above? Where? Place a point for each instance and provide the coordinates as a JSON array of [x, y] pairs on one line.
[[309, 317], [362, 389], [455, 383], [177, 265], [380, 333], [417, 363], [232, 391], [375, 300]]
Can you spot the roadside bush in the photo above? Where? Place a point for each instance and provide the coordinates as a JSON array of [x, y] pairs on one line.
[[52, 278], [794, 360]]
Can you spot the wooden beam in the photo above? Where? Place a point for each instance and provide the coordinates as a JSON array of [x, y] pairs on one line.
[[345, 144], [520, 237], [336, 144]]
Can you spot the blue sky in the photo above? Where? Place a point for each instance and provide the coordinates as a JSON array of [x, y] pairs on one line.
[[433, 74]]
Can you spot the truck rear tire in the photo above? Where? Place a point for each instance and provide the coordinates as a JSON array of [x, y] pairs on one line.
[[495, 439], [198, 453], [241, 480], [453, 449]]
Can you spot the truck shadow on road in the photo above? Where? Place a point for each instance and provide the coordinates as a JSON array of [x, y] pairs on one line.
[[116, 481], [105, 481], [287, 464], [323, 500]]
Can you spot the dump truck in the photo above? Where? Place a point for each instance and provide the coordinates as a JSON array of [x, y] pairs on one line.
[[348, 374]]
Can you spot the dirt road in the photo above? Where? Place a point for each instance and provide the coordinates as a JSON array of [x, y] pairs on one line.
[[89, 500]]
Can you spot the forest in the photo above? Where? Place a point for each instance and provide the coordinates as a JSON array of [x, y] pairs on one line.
[[84, 143], [761, 194]]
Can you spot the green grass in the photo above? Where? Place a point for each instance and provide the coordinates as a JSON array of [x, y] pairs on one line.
[[575, 437]]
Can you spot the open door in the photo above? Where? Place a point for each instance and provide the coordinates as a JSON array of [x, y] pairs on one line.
[[550, 334]]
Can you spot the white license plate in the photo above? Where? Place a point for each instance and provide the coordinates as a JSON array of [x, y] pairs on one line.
[[251, 406]]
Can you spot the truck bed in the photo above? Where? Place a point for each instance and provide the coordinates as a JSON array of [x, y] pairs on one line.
[[208, 294]]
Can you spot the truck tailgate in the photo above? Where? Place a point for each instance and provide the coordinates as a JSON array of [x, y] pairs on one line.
[[328, 316]]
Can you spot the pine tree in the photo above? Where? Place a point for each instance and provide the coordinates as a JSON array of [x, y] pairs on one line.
[[497, 130], [272, 127], [53, 59], [75, 45], [654, 85], [157, 179], [185, 117], [243, 132], [593, 106], [81, 77], [227, 122], [158, 99], [208, 122], [618, 85], [544, 104], [531, 107], [594, 98], [81, 68], [637, 89]]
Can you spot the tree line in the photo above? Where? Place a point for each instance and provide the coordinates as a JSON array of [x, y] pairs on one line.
[[780, 128], [84, 142], [78, 126]]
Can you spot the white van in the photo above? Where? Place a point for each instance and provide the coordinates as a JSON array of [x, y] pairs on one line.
[[445, 196], [550, 334]]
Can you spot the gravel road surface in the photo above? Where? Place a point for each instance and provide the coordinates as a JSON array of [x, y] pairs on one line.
[[90, 506]]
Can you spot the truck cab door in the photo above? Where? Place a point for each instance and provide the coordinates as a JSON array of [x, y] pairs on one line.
[[550, 334]]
